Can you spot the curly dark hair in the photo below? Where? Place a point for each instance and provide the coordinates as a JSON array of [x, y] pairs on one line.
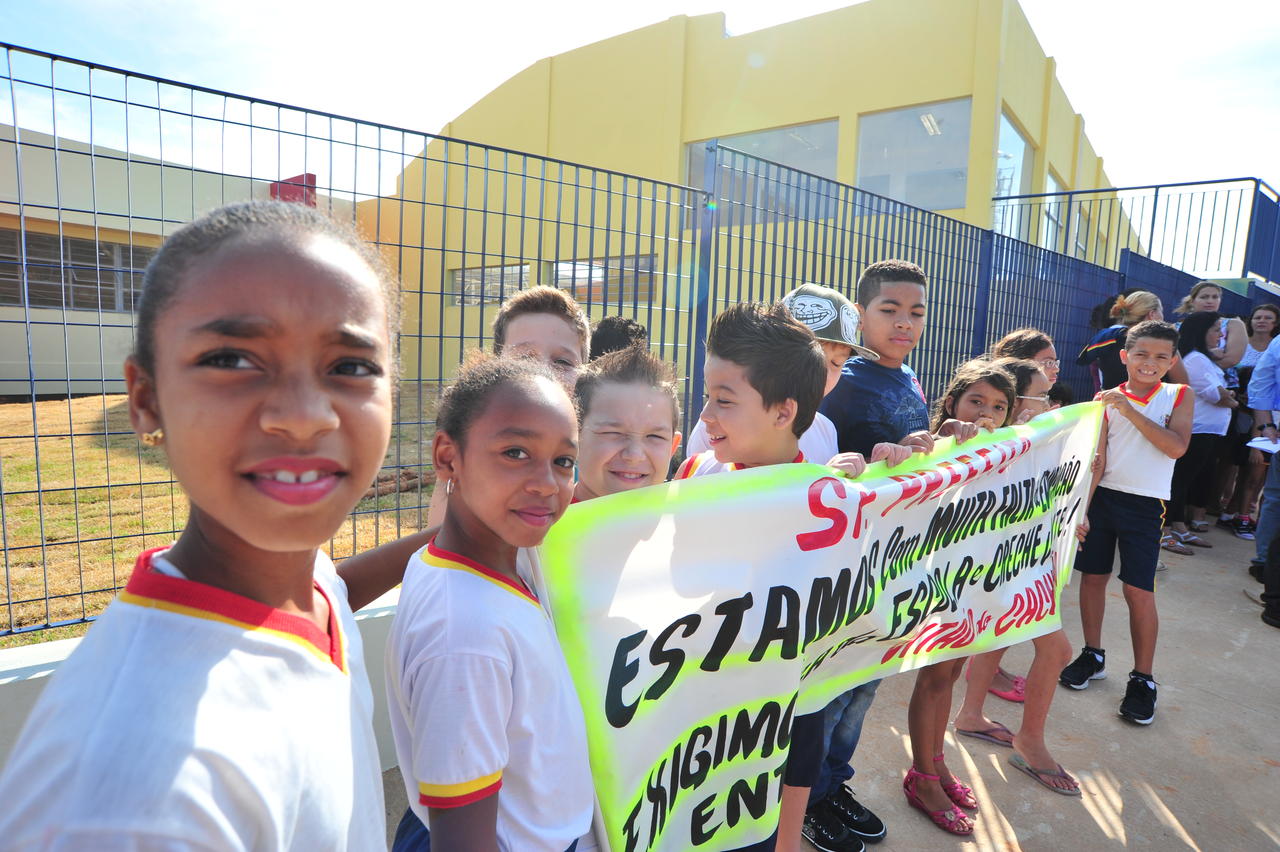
[[205, 235], [481, 376], [884, 272], [614, 333]]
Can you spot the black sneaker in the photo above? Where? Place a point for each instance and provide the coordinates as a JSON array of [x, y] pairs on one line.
[[1090, 665], [826, 831], [1139, 703], [856, 817]]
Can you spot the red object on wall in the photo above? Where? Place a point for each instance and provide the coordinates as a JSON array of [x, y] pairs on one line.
[[299, 189]]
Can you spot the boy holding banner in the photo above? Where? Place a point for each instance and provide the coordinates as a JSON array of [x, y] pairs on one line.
[[1147, 427], [765, 375], [875, 400]]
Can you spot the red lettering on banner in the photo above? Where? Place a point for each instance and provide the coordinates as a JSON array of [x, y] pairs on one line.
[[911, 485], [864, 498], [839, 520], [948, 634], [1034, 603], [932, 484]]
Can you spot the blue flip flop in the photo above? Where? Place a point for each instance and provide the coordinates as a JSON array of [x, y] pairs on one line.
[[989, 735], [1020, 764]]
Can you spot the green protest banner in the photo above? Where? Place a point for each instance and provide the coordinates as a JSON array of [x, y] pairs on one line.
[[701, 617]]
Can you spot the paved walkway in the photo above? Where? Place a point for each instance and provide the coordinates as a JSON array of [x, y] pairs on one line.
[[1205, 775]]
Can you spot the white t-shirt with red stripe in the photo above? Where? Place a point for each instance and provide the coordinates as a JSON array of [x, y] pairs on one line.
[[1134, 464], [191, 718], [481, 702], [706, 463]]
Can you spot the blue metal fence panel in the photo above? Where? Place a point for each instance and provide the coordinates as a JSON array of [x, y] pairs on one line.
[[778, 227], [98, 165], [1032, 286], [1262, 257]]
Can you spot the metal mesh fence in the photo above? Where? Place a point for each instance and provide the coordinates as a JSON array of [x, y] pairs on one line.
[[99, 165]]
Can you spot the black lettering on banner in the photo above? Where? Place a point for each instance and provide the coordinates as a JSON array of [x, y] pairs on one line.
[[781, 624], [629, 827], [690, 762], [747, 731], [693, 777], [621, 673], [730, 613], [673, 658], [754, 799], [656, 794], [698, 831], [827, 603]]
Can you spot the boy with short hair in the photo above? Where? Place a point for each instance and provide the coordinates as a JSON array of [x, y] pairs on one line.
[[875, 400], [547, 324], [629, 417], [764, 376], [832, 319], [1147, 426], [615, 333]]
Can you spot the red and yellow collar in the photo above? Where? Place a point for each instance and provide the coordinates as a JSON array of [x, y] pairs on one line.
[[441, 558], [151, 589]]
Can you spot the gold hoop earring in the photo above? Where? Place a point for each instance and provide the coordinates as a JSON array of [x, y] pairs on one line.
[[153, 438], [448, 486]]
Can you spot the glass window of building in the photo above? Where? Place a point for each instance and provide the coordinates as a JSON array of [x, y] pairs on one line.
[[627, 278], [1051, 230], [919, 155], [1013, 177], [807, 147], [1080, 228], [85, 274], [1013, 160], [480, 285], [751, 191]]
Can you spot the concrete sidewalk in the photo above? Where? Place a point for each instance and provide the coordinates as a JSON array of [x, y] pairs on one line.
[[1205, 775]]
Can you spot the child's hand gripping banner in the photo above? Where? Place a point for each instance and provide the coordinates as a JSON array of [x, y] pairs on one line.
[[701, 617]]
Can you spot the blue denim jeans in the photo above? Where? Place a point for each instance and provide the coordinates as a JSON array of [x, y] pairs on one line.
[[1268, 512], [843, 724]]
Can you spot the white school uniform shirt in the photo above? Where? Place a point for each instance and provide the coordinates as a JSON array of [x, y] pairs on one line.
[[1205, 378], [818, 443], [705, 464], [191, 718], [481, 700], [1134, 465]]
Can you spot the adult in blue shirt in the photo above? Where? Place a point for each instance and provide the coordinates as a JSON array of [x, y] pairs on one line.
[[1264, 399]]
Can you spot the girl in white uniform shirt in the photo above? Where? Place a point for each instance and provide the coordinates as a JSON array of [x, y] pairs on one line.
[[220, 702], [488, 730]]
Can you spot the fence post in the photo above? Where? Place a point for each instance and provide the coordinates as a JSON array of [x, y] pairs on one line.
[[1151, 240], [982, 298], [707, 222]]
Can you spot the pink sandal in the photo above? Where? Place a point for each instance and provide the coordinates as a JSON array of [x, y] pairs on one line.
[[1017, 694], [952, 820], [958, 792]]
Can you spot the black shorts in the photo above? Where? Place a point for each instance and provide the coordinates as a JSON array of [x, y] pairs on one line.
[[1131, 521], [804, 761]]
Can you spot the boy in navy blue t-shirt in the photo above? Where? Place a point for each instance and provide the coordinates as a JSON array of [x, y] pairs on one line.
[[874, 402]]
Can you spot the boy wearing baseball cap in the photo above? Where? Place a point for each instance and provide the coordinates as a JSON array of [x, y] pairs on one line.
[[834, 321]]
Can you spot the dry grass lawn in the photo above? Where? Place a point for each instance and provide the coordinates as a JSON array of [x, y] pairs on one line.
[[81, 500]]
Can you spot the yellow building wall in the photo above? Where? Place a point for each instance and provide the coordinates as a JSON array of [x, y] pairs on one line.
[[632, 103]]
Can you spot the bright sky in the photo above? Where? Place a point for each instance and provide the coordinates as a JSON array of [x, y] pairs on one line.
[[1171, 90]]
